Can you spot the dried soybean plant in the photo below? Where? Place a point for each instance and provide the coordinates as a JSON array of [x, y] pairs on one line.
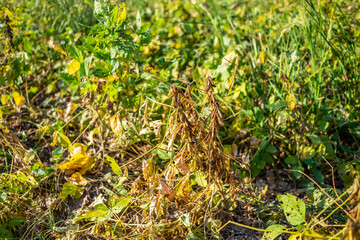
[[201, 147], [187, 185]]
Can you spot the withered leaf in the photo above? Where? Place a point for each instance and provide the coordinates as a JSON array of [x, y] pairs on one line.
[[181, 165]]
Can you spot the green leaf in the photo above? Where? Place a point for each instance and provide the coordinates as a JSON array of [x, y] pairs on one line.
[[316, 140], [138, 20], [291, 160], [3, 197], [294, 209], [296, 173], [118, 204], [145, 29], [271, 149], [70, 189], [200, 179], [263, 144], [84, 66], [272, 235], [57, 152], [16, 222], [97, 215], [195, 234], [113, 164], [27, 46], [39, 173], [4, 233], [318, 175], [257, 164], [185, 219], [164, 155], [73, 53]]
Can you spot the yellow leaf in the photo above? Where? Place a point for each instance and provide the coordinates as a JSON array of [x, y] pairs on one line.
[[115, 124], [73, 67], [56, 47], [79, 148], [122, 15], [229, 59], [291, 101], [4, 128], [295, 236], [1, 114], [184, 188], [54, 139], [147, 169], [19, 100], [5, 98], [261, 57], [79, 160], [77, 179], [314, 235], [7, 12]]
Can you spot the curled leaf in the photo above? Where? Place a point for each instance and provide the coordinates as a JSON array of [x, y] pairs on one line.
[[72, 190], [113, 164], [181, 165], [115, 124], [77, 179], [79, 160], [164, 188]]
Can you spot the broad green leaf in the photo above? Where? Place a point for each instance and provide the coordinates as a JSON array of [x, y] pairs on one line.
[[294, 209], [97, 215], [276, 228], [114, 166], [308, 153], [145, 28], [74, 53], [195, 234], [200, 179], [316, 140], [118, 204], [271, 149], [291, 160], [296, 173], [57, 152], [70, 189]]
